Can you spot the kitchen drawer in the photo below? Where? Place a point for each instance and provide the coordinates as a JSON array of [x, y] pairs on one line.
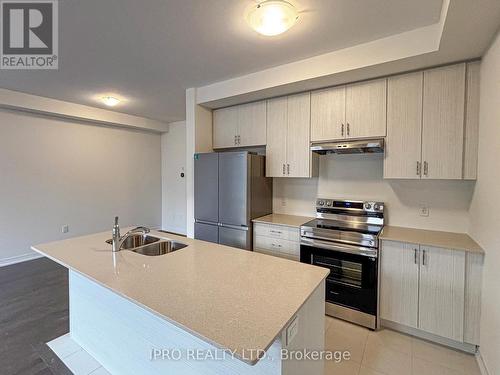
[[277, 245], [277, 254], [277, 231]]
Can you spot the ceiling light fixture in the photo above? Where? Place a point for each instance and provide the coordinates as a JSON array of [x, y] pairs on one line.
[[110, 101], [272, 17]]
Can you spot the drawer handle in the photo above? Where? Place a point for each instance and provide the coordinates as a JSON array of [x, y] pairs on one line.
[[275, 245], [276, 231]]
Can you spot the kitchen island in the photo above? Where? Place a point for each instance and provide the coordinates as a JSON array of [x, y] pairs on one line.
[[203, 309]]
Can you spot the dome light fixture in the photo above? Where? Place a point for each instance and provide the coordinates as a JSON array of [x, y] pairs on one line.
[[110, 101], [272, 17]]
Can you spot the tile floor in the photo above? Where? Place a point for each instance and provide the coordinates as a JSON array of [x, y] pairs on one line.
[[387, 352]]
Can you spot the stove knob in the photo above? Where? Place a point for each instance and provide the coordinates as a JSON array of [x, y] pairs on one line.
[[376, 207], [328, 203], [368, 206], [321, 203]]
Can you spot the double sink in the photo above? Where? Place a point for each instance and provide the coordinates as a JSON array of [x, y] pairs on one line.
[[146, 244]]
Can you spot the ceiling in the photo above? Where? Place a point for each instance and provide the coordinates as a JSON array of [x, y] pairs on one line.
[[148, 52]]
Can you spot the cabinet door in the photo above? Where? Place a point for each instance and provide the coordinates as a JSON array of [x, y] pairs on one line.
[[328, 114], [225, 126], [252, 124], [403, 151], [277, 119], [471, 121], [443, 122], [366, 109], [399, 283], [442, 292], [298, 153]]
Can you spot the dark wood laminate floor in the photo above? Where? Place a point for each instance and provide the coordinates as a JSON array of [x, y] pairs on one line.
[[33, 311]]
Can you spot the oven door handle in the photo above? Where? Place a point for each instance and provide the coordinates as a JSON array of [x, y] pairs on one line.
[[364, 251]]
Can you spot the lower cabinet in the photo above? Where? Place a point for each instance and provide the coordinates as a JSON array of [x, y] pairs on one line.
[[430, 289], [278, 240]]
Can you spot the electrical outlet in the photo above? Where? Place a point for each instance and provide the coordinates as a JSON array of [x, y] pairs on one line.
[[424, 211], [65, 228]]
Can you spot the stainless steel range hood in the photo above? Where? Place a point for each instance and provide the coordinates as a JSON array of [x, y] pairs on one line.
[[366, 146]]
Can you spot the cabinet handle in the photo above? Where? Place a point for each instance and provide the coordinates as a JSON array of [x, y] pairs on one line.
[[415, 256], [275, 231], [288, 169], [426, 168], [423, 258], [419, 172], [348, 129], [239, 139], [275, 245], [342, 130], [283, 169]]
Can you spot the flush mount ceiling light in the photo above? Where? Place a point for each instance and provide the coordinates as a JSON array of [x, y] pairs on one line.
[[110, 101], [272, 17]]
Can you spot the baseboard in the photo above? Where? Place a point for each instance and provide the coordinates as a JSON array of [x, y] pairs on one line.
[[19, 258], [481, 364], [465, 347]]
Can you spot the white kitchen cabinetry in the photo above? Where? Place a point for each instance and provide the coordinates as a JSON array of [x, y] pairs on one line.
[[443, 122], [288, 137], [365, 109], [240, 126], [425, 124], [403, 148], [353, 111], [434, 290], [399, 283], [278, 240]]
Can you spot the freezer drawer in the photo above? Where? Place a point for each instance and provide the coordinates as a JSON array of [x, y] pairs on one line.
[[206, 187], [240, 238], [206, 232]]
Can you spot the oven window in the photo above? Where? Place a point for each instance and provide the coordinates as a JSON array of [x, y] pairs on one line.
[[341, 271]]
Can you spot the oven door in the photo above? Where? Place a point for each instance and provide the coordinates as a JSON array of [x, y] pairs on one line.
[[353, 278]]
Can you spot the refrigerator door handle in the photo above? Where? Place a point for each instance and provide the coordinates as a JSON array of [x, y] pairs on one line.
[[206, 222], [239, 227]]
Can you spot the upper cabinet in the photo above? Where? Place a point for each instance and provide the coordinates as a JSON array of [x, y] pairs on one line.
[[288, 137], [352, 111], [240, 126], [443, 122], [426, 122]]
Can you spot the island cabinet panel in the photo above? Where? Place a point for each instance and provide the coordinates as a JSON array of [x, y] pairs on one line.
[[471, 121], [399, 283], [442, 292], [240, 126], [443, 122], [288, 137], [366, 104], [403, 151], [225, 127], [328, 114], [473, 281]]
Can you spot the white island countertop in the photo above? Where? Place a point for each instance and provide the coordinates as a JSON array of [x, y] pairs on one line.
[[231, 298]]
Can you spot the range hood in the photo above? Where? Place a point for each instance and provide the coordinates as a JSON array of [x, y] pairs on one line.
[[366, 146]]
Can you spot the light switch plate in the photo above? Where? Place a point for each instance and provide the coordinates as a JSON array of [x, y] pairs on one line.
[[65, 228], [292, 330], [424, 211]]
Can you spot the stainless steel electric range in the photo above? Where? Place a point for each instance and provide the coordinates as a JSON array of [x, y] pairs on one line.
[[344, 238]]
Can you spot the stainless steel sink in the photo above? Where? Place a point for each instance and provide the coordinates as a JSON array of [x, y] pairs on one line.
[[159, 248], [136, 240], [149, 245]]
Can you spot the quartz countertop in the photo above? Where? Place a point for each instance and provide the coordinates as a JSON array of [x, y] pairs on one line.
[[450, 240], [233, 299], [281, 219]]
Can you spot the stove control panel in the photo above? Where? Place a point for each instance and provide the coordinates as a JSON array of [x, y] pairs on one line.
[[322, 203]]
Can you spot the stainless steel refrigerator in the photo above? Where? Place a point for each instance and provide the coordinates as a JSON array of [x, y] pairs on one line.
[[230, 189]]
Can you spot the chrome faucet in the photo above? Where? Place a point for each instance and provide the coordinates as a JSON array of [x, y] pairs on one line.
[[119, 240]]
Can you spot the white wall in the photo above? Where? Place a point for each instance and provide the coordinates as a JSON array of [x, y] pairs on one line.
[[173, 155], [360, 177], [55, 172], [485, 207]]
